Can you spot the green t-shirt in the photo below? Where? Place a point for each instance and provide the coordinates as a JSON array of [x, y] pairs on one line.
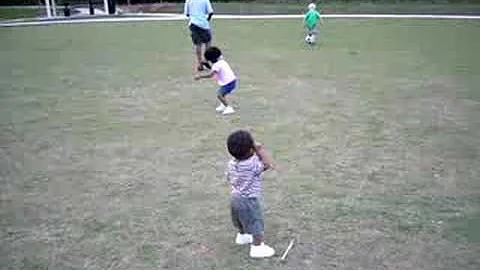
[[311, 19]]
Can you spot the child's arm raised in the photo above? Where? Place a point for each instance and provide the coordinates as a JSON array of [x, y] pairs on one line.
[[264, 156]]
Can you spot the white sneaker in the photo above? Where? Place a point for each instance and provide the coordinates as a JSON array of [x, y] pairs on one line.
[[243, 239], [261, 251], [220, 108], [228, 110]]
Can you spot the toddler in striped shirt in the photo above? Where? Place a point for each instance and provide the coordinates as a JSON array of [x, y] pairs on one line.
[[244, 172]]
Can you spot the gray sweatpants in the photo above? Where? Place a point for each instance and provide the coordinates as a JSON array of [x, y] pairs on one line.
[[247, 215]]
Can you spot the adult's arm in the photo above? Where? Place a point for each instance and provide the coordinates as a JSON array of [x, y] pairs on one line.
[[209, 10], [186, 11]]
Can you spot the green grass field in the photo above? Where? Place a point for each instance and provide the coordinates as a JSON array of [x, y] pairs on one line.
[[334, 7], [112, 157], [18, 13]]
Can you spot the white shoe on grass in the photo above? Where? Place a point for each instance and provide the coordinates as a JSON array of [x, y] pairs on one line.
[[261, 251], [243, 239], [220, 108], [228, 110]]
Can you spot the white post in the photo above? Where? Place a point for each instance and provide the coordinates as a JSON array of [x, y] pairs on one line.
[[47, 7], [54, 9], [105, 4]]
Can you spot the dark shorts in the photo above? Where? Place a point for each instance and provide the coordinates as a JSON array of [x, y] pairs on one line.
[[228, 88], [200, 35], [247, 215]]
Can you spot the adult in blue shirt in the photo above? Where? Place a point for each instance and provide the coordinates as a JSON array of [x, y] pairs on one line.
[[199, 13]]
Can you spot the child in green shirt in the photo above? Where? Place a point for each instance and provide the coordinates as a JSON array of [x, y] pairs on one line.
[[312, 17]]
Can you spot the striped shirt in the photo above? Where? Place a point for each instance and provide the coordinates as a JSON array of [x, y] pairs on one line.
[[245, 176]]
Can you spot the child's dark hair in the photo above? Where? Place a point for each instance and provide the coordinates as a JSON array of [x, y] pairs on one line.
[[240, 144], [212, 54]]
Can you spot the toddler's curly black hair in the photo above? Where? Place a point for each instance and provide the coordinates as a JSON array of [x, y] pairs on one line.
[[212, 54], [240, 144]]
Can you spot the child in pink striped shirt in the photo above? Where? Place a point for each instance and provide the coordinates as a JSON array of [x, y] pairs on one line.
[[244, 173]]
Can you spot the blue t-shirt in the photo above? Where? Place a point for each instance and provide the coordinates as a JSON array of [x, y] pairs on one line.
[[197, 11]]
